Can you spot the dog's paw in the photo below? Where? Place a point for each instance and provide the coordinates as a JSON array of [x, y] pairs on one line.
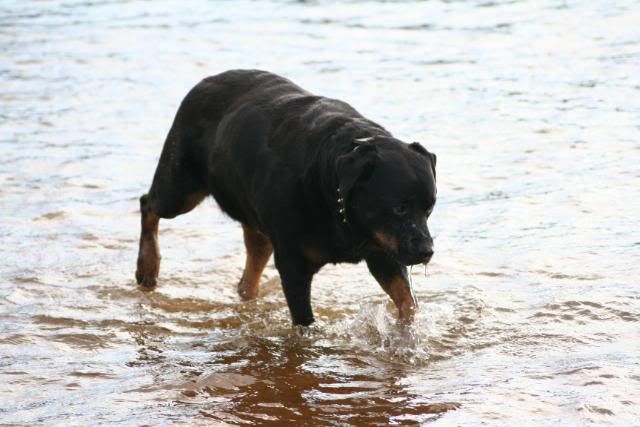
[[247, 291], [145, 281]]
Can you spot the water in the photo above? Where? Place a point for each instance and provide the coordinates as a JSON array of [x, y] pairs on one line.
[[530, 310]]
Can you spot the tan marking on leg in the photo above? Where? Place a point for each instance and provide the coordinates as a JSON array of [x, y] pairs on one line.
[[149, 251], [192, 201], [399, 289], [386, 241], [259, 250]]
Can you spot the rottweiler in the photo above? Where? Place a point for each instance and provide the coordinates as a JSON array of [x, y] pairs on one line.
[[309, 178]]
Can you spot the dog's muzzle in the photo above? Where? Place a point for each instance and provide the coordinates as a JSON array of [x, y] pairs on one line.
[[420, 251]]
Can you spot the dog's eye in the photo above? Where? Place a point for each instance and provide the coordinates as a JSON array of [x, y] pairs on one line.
[[401, 209]]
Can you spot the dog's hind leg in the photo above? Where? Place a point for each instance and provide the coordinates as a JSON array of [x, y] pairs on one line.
[[148, 265], [149, 251], [175, 191], [259, 250]]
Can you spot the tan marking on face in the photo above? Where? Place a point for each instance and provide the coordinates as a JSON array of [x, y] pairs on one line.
[[386, 241]]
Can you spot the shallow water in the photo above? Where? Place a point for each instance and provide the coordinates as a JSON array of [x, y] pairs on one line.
[[530, 310]]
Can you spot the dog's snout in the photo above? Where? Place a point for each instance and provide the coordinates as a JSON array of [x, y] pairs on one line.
[[426, 253], [422, 247]]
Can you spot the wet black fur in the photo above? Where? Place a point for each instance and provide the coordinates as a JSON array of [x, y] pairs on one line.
[[274, 155]]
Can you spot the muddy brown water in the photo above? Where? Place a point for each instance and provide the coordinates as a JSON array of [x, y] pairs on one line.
[[530, 310]]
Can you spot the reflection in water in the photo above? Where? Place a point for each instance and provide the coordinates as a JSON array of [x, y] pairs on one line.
[[529, 310], [282, 375]]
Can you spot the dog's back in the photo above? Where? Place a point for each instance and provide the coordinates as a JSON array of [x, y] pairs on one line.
[[269, 128]]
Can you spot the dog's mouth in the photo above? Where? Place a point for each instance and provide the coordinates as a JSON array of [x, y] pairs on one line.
[[414, 256], [426, 259], [414, 259], [391, 246]]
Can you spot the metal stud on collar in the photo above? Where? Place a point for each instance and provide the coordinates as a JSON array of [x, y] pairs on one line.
[[364, 140], [341, 206]]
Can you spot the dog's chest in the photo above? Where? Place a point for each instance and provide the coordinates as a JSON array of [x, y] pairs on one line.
[[329, 252]]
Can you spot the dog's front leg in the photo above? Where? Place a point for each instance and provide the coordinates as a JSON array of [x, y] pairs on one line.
[[392, 277], [296, 275]]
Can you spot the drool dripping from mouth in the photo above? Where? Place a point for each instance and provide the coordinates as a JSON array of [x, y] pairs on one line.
[[411, 272], [410, 276]]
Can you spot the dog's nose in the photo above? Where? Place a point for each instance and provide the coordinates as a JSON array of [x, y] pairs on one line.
[[423, 248], [426, 254]]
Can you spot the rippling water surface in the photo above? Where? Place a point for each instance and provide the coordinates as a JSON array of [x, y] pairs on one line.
[[530, 310]]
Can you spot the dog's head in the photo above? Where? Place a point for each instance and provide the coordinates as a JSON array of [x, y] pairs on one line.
[[389, 190]]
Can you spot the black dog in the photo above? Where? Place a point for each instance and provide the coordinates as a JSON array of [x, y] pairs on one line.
[[309, 178]]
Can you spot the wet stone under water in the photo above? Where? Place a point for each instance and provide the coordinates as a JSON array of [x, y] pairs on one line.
[[529, 311]]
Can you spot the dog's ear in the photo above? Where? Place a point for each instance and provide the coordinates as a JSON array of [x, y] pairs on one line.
[[355, 167], [416, 146]]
